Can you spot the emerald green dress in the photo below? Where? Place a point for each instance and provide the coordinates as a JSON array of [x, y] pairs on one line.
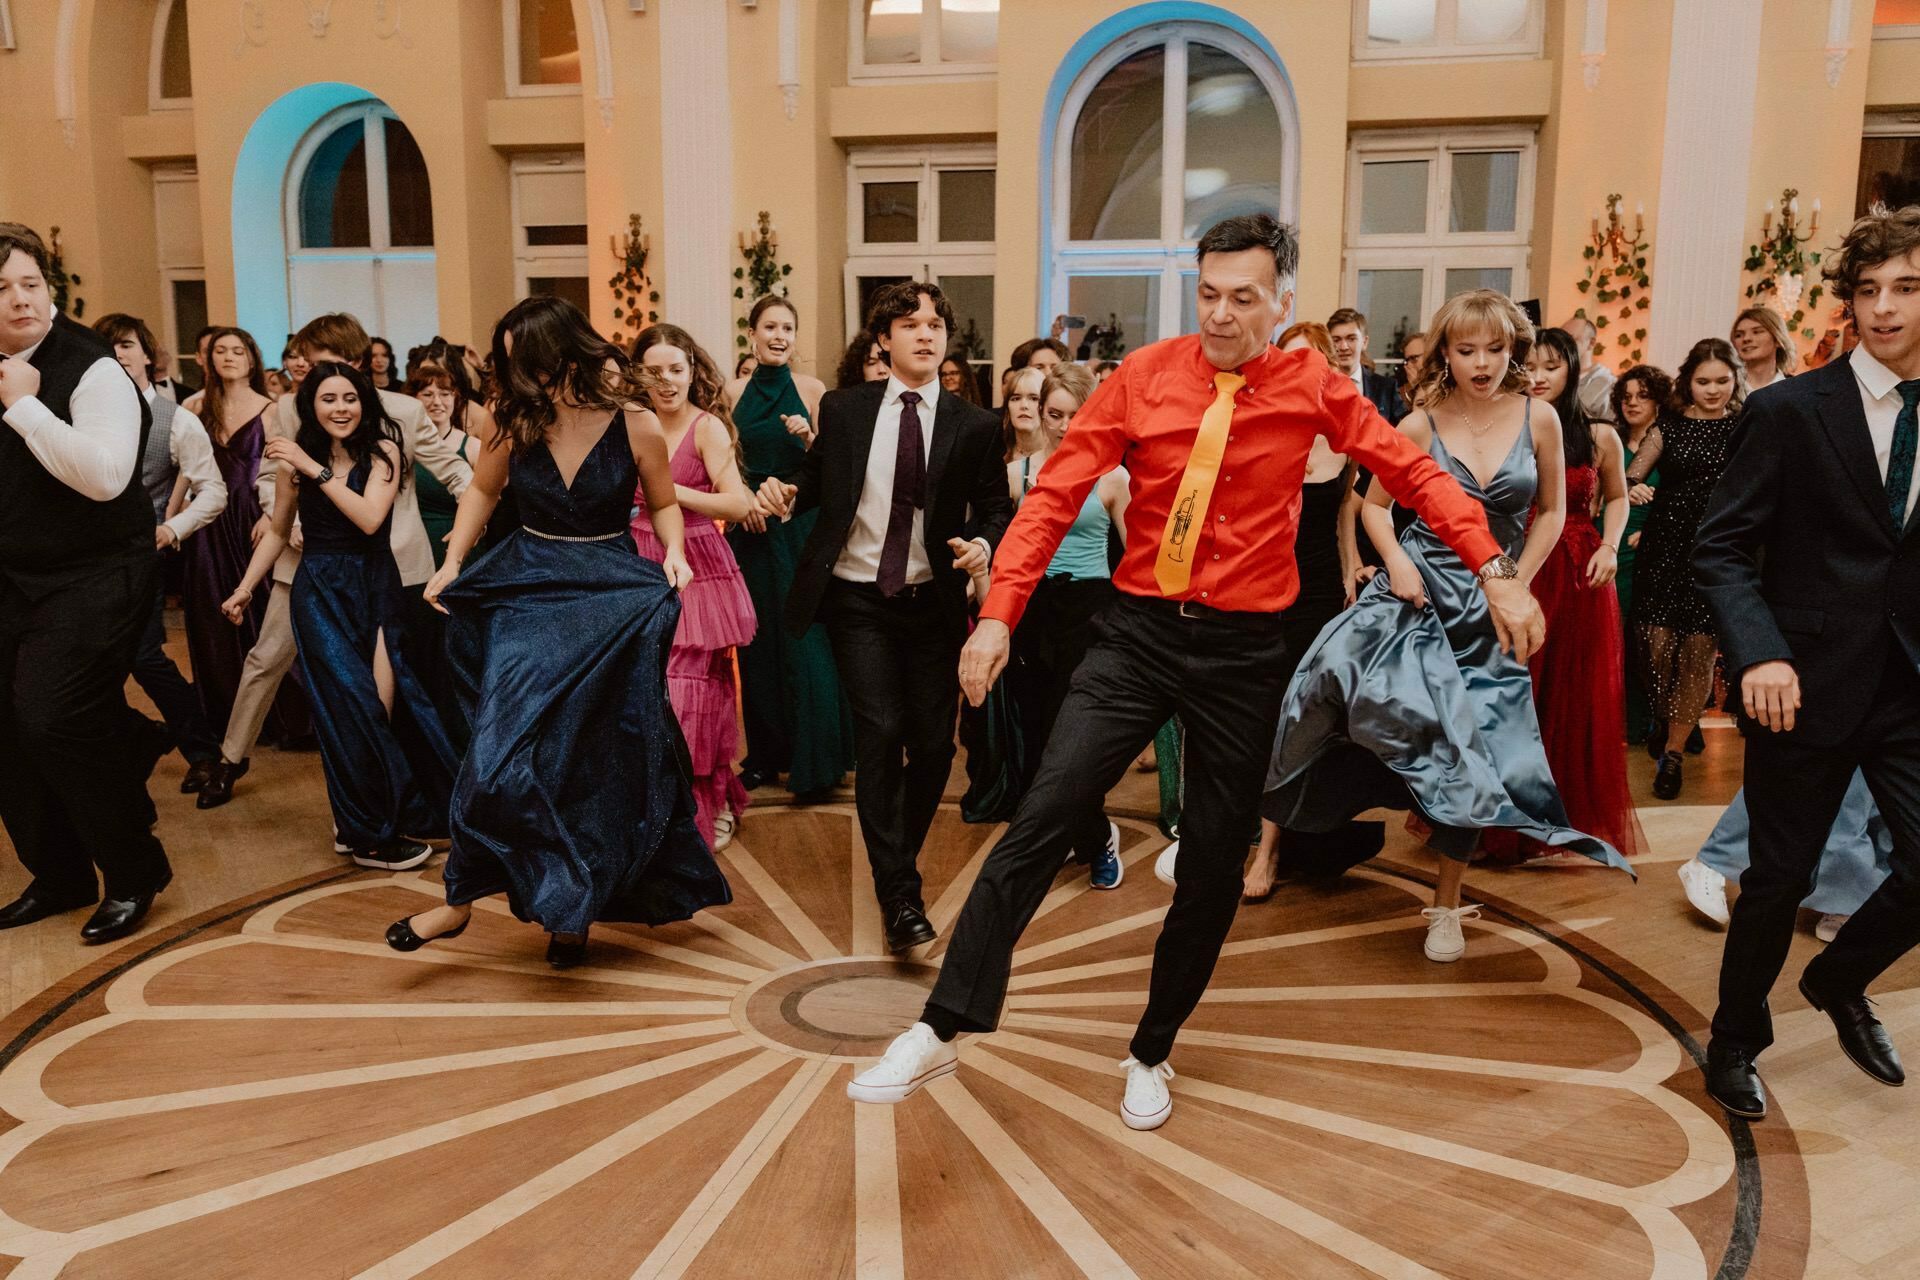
[[796, 719], [1639, 719]]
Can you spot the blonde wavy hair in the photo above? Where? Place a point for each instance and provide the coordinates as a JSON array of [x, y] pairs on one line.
[[1478, 311], [1785, 354]]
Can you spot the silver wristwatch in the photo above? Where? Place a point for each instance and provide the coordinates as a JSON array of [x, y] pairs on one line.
[[1501, 566]]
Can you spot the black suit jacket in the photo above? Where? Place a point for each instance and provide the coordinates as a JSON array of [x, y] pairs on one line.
[[1798, 556], [966, 491], [1384, 392]]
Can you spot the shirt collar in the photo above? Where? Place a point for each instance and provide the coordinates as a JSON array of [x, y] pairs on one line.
[[27, 355], [149, 393], [1253, 370], [896, 388], [1877, 380]]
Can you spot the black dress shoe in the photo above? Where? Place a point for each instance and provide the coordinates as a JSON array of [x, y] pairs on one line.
[[199, 773], [401, 937], [115, 918], [566, 953], [219, 785], [907, 926], [1862, 1038], [1666, 779], [30, 906], [754, 779], [1733, 1082], [1696, 742]]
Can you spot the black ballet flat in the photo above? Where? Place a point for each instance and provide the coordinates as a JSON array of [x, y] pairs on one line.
[[563, 954], [401, 937]]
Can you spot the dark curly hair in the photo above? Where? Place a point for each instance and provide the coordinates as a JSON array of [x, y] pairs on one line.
[[853, 361], [1655, 381], [375, 425], [1879, 236], [556, 355], [899, 300]]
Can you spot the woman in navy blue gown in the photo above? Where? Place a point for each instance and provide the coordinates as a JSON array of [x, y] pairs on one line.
[[388, 761], [575, 797]]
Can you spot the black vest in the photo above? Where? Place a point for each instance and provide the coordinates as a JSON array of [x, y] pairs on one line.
[[51, 535]]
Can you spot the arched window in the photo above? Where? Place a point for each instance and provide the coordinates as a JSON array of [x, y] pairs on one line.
[[359, 217], [543, 47], [1165, 132], [170, 70]]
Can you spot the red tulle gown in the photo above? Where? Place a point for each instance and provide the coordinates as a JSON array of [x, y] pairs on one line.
[[1579, 679], [715, 615]]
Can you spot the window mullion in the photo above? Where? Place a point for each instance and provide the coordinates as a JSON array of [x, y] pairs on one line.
[[1173, 134], [379, 226]]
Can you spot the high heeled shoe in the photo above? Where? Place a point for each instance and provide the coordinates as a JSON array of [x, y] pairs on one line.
[[566, 953], [401, 937]]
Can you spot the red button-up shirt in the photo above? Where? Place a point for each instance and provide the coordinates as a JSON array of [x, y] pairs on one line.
[[1145, 416]]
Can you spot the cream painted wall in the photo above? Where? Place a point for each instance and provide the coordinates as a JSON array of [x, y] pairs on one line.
[[623, 162]]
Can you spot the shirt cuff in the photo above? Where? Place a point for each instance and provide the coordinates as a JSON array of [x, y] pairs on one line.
[[178, 525], [1002, 607], [1480, 548], [29, 415]]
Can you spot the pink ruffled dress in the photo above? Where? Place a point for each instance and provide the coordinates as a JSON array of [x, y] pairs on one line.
[[715, 615]]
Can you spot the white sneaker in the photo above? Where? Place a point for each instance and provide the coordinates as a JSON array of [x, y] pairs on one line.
[[1706, 890], [723, 827], [916, 1057], [1163, 865], [1445, 940], [1828, 927], [1147, 1104]]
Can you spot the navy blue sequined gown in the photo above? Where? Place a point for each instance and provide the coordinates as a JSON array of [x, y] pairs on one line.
[[574, 799], [388, 777]]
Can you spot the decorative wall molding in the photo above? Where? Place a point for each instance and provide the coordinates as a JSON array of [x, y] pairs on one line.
[[319, 17], [1839, 39], [387, 19], [790, 56], [602, 60], [1700, 233], [253, 26], [696, 157], [6, 26], [65, 99], [1593, 44]]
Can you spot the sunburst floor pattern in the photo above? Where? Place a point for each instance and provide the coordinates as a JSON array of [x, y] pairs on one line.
[[275, 1093]]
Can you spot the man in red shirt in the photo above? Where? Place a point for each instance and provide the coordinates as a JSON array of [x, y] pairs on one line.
[[1214, 431]]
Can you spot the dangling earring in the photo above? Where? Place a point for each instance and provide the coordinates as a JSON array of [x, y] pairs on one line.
[[1446, 373]]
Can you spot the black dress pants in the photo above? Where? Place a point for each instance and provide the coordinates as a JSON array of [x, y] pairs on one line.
[[161, 681], [1048, 646], [899, 662], [71, 792], [1222, 674], [1793, 792]]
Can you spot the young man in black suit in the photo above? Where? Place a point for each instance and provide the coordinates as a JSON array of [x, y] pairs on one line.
[[912, 490], [1347, 330], [1810, 559]]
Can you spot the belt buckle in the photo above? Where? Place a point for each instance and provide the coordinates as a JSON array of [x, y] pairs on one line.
[[1183, 609]]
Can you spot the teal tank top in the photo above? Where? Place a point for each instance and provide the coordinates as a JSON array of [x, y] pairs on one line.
[[1083, 552]]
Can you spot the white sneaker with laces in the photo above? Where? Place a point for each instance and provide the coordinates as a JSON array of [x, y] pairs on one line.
[[1828, 927], [723, 827], [1163, 865], [915, 1058], [1445, 940], [1706, 890], [1147, 1104]]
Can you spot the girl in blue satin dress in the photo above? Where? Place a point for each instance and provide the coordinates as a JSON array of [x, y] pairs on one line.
[[575, 798], [1406, 699], [387, 758]]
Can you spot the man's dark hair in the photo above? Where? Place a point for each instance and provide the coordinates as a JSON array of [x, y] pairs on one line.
[[1881, 235], [1254, 231], [1023, 354], [116, 325], [14, 235], [900, 300]]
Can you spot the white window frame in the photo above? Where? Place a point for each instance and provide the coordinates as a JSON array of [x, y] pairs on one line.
[[371, 112], [548, 260], [156, 54], [510, 20], [1436, 250], [927, 258], [1171, 259], [929, 67], [171, 334], [1445, 47]]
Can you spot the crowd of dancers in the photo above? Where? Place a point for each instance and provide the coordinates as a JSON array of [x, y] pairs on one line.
[[504, 576]]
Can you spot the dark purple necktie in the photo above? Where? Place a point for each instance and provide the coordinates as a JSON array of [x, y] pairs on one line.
[[909, 495]]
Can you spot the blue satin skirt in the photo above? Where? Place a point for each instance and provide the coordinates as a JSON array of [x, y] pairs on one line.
[[1854, 863], [575, 797], [388, 776]]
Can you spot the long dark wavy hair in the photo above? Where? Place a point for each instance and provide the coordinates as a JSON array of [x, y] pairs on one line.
[[853, 362], [555, 356], [1576, 433], [709, 389], [375, 426], [213, 405]]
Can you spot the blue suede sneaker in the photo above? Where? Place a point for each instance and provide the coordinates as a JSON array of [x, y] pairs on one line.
[[1108, 870]]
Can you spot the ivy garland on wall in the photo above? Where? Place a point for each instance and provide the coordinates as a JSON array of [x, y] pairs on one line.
[[764, 275], [63, 284], [634, 298], [1783, 266], [1620, 286]]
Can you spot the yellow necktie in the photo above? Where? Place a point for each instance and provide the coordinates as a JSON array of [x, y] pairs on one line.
[[1174, 569]]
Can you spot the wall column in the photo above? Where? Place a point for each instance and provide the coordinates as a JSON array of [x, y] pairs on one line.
[[1712, 76], [696, 151]]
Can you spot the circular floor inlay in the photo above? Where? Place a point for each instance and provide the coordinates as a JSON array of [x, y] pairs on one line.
[[835, 1008]]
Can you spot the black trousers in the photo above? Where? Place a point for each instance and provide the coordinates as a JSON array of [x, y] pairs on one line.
[[1793, 792], [1048, 646], [899, 662], [161, 681], [71, 792], [1221, 673]]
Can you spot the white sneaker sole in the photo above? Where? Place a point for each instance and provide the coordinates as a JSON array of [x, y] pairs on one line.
[[1443, 957], [1143, 1123], [1165, 864], [1714, 911], [888, 1094], [382, 864]]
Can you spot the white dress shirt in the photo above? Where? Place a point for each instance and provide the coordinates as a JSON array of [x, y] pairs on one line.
[[1880, 397], [860, 559], [1595, 393], [192, 452], [95, 454]]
